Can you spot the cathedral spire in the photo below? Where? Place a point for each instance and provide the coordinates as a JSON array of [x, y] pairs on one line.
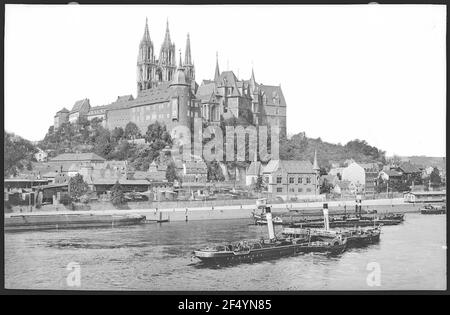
[[187, 54], [146, 37], [180, 64], [167, 36], [217, 73]]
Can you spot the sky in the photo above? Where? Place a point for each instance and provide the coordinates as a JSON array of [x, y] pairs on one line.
[[372, 72]]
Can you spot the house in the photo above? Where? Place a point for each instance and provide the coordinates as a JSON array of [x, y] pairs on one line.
[[291, 179], [345, 188], [425, 196], [410, 172], [371, 175], [354, 173]]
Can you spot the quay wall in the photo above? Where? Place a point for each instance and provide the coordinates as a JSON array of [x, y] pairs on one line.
[[244, 211]]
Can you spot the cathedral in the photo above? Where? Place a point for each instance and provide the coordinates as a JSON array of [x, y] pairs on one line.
[[167, 92]]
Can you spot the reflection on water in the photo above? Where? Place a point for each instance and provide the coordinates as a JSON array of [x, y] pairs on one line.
[[158, 257]]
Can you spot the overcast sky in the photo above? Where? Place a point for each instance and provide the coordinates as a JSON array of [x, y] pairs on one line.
[[370, 72]]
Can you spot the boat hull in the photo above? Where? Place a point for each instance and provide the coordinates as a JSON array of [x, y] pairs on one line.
[[56, 222], [432, 211], [266, 253], [346, 224]]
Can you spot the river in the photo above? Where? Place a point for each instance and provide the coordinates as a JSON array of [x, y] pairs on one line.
[[156, 257]]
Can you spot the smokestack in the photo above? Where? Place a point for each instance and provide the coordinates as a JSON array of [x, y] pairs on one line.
[[270, 223], [326, 222]]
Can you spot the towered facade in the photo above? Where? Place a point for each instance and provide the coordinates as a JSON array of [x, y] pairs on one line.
[[169, 94]]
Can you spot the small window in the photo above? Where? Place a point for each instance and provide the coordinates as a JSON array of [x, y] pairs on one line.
[[279, 189], [308, 180], [279, 180], [291, 180], [308, 189], [300, 190], [299, 180]]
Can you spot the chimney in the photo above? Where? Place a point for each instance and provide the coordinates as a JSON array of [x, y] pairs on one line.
[[326, 221], [270, 223]]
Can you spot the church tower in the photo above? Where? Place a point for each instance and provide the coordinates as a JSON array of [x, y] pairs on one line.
[[166, 63], [188, 64], [145, 62]]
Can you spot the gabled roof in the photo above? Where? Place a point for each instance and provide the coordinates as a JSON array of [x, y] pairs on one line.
[[409, 168], [271, 91], [79, 104], [77, 157], [64, 110], [158, 94], [290, 166], [121, 102]]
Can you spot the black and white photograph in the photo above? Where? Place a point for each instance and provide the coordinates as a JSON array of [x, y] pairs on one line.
[[237, 148]]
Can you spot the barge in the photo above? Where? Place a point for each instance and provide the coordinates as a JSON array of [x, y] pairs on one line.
[[66, 221], [431, 209]]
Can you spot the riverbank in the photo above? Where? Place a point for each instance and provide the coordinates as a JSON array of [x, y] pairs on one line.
[[244, 211]]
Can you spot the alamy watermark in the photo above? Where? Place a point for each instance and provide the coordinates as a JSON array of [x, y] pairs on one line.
[[373, 279], [73, 279], [238, 144]]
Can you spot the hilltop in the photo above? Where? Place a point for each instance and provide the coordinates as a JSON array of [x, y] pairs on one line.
[[300, 147]]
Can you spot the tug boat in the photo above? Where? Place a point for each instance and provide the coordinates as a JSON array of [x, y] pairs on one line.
[[430, 209], [362, 237], [287, 243]]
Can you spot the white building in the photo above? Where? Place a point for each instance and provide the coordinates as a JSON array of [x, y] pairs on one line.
[[355, 174]]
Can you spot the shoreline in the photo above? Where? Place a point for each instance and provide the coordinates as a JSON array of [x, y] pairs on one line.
[[240, 212]]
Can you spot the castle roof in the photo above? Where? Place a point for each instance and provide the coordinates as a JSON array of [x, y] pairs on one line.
[[158, 94], [206, 91], [64, 110], [79, 104], [121, 102], [272, 91]]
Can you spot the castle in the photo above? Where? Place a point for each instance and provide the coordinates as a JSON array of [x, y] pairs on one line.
[[169, 94]]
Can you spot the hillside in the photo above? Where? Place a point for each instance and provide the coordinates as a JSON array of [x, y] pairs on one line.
[[423, 160], [90, 136], [18, 154], [300, 147]]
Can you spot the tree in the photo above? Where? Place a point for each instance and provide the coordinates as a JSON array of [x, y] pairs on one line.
[[435, 178], [259, 183], [77, 187], [117, 134], [325, 187], [132, 131], [171, 172], [18, 154], [214, 171], [117, 196]]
